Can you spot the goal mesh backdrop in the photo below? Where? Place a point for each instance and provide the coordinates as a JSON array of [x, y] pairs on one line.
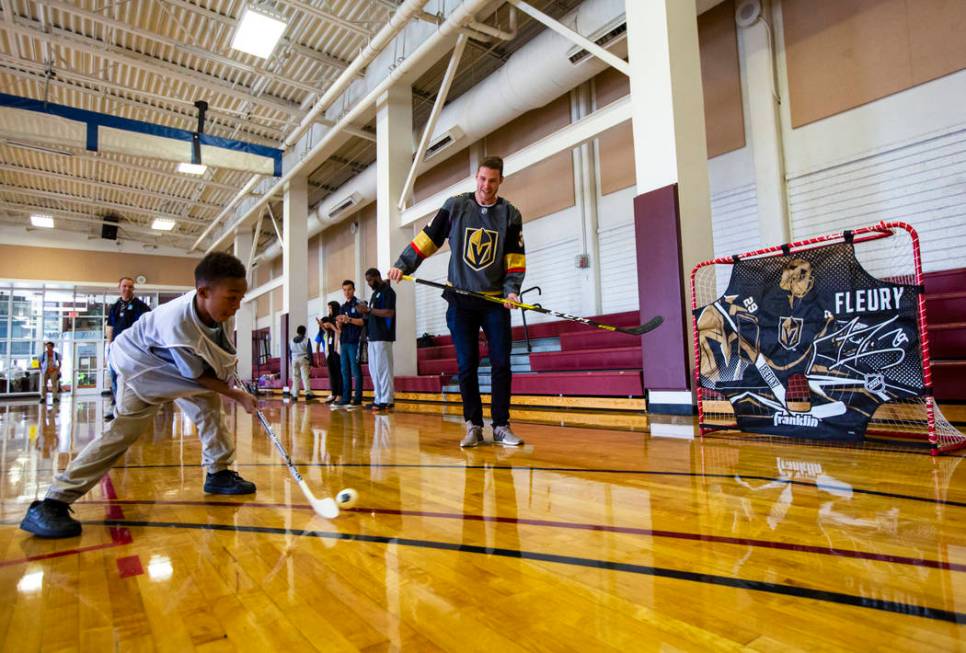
[[823, 339]]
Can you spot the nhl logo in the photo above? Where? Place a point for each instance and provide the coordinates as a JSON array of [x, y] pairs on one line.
[[790, 331], [875, 382]]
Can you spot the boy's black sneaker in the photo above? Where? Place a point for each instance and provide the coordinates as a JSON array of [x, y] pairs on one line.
[[309, 396], [50, 519], [227, 481]]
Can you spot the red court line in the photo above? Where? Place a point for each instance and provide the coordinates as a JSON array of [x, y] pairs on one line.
[[698, 537], [60, 554]]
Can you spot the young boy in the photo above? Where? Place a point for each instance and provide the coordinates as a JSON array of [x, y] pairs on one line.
[[178, 352]]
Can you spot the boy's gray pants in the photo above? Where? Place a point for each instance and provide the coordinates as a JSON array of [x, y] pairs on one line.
[[132, 417]]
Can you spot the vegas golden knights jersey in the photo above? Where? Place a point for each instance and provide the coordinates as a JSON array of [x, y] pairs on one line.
[[488, 254], [809, 344]]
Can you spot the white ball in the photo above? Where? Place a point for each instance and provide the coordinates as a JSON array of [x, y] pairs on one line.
[[347, 498]]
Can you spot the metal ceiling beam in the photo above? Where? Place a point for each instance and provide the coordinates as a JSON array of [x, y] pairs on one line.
[[230, 22], [37, 72], [144, 192], [154, 234], [208, 55], [95, 48], [326, 16], [83, 155], [112, 207]]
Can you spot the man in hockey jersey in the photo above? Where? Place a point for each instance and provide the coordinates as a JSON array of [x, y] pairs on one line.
[[485, 234], [179, 352]]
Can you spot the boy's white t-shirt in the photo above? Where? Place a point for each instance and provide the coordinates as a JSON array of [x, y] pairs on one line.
[[162, 354]]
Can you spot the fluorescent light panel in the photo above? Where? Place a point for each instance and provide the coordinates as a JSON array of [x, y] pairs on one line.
[[257, 32], [163, 224], [45, 221], [192, 168]]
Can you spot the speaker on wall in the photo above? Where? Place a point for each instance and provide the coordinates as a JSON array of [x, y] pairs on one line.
[[109, 231]]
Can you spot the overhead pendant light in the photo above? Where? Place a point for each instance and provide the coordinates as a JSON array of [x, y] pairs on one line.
[[41, 220], [258, 31], [196, 167]]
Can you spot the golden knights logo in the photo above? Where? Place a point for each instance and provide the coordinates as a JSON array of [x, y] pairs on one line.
[[479, 247], [790, 331]]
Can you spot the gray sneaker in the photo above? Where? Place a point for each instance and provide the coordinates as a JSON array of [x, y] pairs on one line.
[[473, 437], [504, 436]]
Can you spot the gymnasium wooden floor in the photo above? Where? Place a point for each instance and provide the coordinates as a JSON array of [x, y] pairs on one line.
[[586, 539]]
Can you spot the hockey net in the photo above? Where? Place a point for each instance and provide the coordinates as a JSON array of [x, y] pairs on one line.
[[823, 339]]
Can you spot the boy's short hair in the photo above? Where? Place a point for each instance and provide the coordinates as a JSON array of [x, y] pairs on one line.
[[349, 282], [49, 342], [373, 272], [493, 163], [218, 266], [300, 330]]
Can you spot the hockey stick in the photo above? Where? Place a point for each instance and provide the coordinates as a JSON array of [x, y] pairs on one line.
[[327, 507], [650, 325]]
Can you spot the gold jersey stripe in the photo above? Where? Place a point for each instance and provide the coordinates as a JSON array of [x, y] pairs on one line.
[[516, 262], [424, 245]]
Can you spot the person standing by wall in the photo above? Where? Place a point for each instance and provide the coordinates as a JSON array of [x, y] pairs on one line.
[[49, 371], [127, 310], [300, 354], [350, 331], [381, 331], [329, 332]]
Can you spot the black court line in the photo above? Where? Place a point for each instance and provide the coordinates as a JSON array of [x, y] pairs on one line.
[[582, 470], [646, 570], [606, 528]]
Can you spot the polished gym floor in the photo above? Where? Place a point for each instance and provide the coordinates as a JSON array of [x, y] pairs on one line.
[[584, 539]]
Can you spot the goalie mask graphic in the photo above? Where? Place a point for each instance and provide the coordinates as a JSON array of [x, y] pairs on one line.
[[810, 344]]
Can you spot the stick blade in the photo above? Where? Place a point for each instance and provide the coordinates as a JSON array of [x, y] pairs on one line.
[[326, 508], [650, 325]]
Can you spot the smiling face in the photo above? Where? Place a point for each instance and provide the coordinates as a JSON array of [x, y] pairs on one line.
[[221, 300], [488, 182], [126, 288]]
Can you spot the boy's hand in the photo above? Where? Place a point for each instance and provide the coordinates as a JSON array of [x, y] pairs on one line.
[[248, 402]]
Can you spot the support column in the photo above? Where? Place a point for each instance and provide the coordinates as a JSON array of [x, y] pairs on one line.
[[295, 258], [394, 153], [765, 133], [245, 317], [587, 194], [673, 206]]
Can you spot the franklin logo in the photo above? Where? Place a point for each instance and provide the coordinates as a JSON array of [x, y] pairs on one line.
[[790, 331], [479, 247], [795, 419]]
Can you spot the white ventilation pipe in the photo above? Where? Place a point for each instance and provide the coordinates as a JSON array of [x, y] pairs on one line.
[[536, 74]]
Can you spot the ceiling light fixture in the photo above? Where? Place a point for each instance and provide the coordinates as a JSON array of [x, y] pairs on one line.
[[40, 220], [163, 224], [258, 31], [192, 168]]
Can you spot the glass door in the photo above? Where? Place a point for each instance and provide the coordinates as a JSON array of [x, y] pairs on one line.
[[87, 368]]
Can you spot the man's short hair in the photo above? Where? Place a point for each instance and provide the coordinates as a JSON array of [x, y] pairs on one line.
[[300, 330], [121, 280], [373, 272], [349, 282], [493, 163], [49, 342], [218, 266]]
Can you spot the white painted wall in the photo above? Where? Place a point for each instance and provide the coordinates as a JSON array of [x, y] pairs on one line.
[[900, 157]]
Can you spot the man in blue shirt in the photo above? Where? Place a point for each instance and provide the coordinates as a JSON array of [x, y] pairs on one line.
[[350, 323], [381, 333], [123, 314]]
